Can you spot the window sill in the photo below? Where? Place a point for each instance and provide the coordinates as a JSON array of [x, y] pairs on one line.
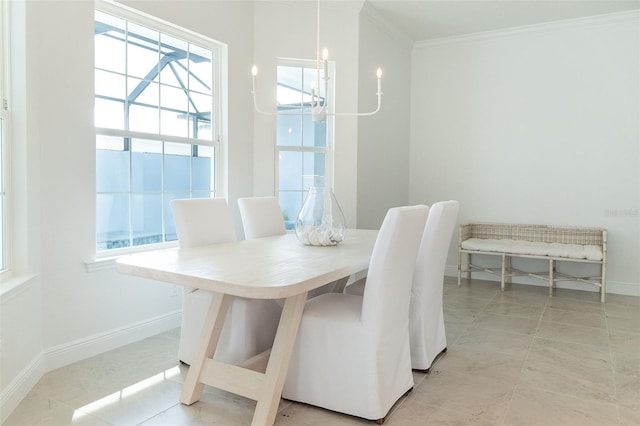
[[101, 264], [107, 262], [15, 285]]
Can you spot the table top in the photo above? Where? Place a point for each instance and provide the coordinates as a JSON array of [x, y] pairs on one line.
[[261, 268]]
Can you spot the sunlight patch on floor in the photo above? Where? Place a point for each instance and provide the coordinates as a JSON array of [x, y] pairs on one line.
[[124, 393]]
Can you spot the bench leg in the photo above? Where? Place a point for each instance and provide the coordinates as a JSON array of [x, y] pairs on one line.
[[602, 281], [459, 267], [504, 260], [468, 268], [551, 279]]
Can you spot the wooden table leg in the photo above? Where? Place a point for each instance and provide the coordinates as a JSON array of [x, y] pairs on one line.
[[211, 330], [276, 373], [339, 285]]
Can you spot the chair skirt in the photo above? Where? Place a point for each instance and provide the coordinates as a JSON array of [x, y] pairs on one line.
[[340, 367], [249, 328]]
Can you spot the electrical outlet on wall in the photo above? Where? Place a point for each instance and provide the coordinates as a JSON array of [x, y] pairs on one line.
[[176, 291]]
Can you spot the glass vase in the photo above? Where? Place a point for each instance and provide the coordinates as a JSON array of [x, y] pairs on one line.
[[320, 221]]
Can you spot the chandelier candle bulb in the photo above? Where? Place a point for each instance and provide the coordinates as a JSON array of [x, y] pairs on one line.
[[379, 75], [254, 72]]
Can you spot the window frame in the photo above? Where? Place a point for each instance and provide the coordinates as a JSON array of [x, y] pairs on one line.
[[219, 105], [5, 147], [328, 149]]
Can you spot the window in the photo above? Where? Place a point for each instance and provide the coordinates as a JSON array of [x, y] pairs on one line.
[[157, 125], [4, 119], [303, 154]]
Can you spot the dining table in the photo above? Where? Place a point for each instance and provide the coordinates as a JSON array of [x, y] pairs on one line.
[[277, 267]]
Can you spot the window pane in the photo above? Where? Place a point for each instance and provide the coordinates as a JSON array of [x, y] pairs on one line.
[[110, 85], [146, 170], [143, 118], [290, 171], [109, 113], [289, 130], [168, 77], [200, 116], [291, 203], [174, 65], [110, 49], [313, 170], [308, 131], [202, 169], [146, 219], [144, 92], [112, 221], [173, 118], [142, 52], [112, 165], [177, 167], [289, 93], [200, 68], [144, 100]]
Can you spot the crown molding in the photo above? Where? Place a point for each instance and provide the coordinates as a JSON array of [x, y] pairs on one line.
[[348, 5], [379, 20], [527, 29]]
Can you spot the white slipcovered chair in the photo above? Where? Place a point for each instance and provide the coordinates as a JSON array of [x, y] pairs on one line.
[[251, 324], [426, 319], [261, 217], [352, 352]]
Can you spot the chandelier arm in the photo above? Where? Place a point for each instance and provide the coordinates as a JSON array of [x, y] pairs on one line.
[[331, 114], [359, 114], [255, 106]]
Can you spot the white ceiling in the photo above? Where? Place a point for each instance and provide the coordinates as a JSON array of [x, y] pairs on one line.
[[430, 19]]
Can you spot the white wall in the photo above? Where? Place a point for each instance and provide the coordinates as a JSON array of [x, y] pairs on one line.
[[21, 361], [383, 139], [538, 125], [66, 312]]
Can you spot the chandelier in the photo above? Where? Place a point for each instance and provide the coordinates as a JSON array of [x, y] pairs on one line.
[[319, 109]]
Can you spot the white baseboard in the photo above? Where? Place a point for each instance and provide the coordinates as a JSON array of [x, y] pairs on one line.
[[613, 287], [68, 353], [20, 386], [627, 289]]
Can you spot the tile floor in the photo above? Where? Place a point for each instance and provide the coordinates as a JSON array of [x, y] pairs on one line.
[[514, 358]]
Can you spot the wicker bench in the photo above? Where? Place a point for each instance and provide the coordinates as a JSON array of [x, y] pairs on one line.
[[552, 243]]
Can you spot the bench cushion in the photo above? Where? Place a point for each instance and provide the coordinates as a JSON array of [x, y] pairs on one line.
[[569, 251]]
